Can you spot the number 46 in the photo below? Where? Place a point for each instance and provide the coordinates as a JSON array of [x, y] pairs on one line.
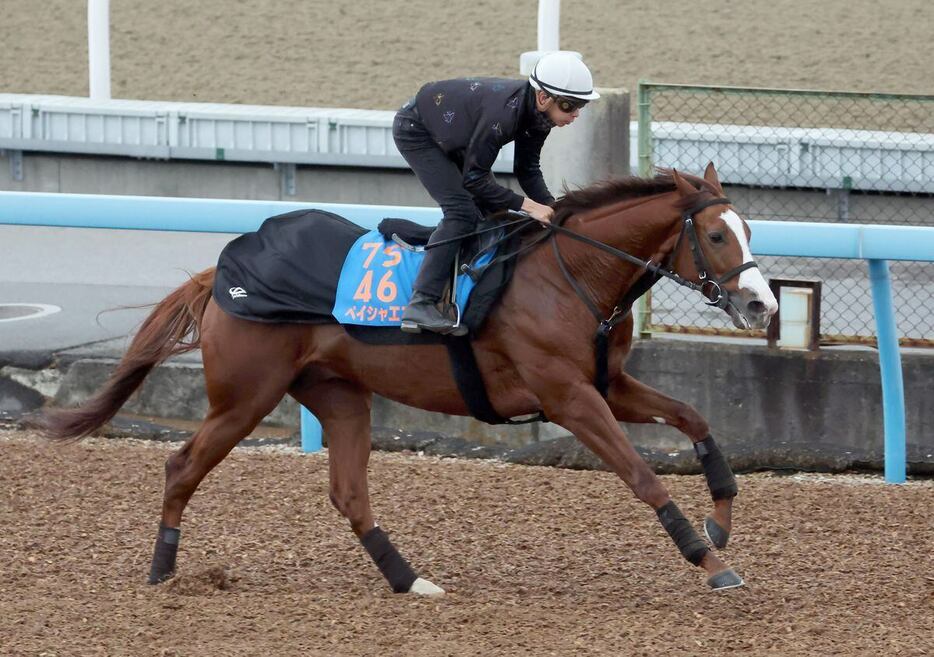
[[386, 289]]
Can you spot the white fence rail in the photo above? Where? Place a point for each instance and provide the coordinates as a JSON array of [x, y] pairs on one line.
[[778, 157]]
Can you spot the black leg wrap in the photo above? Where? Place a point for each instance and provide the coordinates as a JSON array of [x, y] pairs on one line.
[[693, 548], [163, 557], [394, 568], [720, 479]]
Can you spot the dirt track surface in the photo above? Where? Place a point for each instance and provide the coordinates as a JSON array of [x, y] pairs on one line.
[[536, 561], [377, 54]]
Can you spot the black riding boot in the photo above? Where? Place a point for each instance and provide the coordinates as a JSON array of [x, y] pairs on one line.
[[423, 314]]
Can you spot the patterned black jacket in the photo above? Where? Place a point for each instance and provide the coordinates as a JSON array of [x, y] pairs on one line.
[[471, 119]]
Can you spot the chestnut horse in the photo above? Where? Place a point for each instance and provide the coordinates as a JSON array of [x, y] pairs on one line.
[[536, 352]]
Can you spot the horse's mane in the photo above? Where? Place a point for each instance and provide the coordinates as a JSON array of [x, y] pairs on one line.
[[620, 189]]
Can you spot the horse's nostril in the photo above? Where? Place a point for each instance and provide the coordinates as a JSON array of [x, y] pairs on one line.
[[756, 307]]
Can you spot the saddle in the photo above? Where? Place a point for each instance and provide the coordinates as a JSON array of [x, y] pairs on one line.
[[414, 237], [290, 270]]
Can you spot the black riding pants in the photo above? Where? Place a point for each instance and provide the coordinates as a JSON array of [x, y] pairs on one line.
[[443, 180]]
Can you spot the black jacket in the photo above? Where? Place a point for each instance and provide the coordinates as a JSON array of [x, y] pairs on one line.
[[471, 119]]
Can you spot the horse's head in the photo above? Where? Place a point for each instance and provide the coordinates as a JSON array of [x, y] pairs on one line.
[[712, 250]]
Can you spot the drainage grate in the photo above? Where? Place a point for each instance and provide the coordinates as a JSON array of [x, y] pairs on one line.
[[11, 312]]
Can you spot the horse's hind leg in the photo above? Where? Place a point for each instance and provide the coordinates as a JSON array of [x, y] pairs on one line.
[[344, 411], [244, 384], [633, 401]]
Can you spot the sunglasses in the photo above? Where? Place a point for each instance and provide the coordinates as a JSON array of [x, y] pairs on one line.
[[568, 105]]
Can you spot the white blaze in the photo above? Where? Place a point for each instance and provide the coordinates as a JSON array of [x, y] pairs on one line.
[[751, 279]]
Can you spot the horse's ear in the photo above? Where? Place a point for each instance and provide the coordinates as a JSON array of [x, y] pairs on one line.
[[710, 175], [684, 187]]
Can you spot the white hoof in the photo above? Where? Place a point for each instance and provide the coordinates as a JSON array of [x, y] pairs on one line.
[[424, 587]]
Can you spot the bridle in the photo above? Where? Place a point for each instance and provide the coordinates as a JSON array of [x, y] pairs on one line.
[[710, 286]]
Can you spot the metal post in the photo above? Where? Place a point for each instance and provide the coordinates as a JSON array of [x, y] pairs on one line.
[[893, 390], [549, 20], [644, 304], [843, 200], [99, 49], [644, 101], [16, 165], [287, 177], [311, 432]]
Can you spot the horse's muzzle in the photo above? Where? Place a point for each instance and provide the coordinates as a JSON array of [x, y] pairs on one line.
[[748, 311]]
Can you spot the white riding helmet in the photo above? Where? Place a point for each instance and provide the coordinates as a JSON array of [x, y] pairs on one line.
[[563, 74]]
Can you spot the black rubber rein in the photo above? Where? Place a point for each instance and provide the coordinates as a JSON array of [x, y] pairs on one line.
[[708, 285]]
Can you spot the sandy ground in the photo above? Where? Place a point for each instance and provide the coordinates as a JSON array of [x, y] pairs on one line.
[[536, 561], [375, 54]]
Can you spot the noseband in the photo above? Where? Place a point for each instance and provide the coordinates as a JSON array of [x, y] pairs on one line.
[[710, 286]]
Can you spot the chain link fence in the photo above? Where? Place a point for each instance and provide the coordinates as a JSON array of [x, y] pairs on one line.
[[786, 155]]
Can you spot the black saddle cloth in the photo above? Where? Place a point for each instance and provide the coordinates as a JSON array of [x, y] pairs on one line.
[[288, 270]]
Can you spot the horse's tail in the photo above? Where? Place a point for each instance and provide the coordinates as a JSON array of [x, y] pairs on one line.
[[173, 327]]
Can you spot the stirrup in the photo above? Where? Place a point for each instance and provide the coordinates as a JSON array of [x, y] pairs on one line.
[[459, 329]]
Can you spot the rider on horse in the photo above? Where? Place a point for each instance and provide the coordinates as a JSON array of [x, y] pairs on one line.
[[451, 132]]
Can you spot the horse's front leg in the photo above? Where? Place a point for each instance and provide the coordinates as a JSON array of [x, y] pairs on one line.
[[579, 408], [633, 401]]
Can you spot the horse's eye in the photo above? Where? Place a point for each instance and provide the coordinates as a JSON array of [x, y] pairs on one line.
[[717, 238]]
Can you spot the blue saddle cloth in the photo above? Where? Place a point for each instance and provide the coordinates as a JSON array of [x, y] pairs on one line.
[[315, 267], [376, 281]]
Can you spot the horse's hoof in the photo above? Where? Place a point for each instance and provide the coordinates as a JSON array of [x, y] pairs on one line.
[[727, 579], [158, 578], [715, 533], [424, 587]]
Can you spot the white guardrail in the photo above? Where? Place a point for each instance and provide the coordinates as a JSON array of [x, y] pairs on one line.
[[202, 131], [771, 156]]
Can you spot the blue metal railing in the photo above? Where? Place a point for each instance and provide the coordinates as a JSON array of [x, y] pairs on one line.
[[876, 244]]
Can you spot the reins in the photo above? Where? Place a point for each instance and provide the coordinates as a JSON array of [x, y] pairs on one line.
[[710, 286]]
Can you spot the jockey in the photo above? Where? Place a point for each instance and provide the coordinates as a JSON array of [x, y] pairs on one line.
[[450, 134]]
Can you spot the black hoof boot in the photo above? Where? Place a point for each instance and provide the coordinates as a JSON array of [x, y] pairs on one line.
[[728, 579], [716, 534], [163, 557]]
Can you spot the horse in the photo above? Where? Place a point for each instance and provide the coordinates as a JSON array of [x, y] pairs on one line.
[[536, 352]]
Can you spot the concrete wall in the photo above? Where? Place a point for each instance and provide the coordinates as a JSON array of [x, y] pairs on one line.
[[832, 205], [752, 396], [564, 161], [78, 174], [773, 407], [595, 147]]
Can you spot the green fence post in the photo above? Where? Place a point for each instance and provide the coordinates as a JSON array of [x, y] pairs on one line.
[[642, 316]]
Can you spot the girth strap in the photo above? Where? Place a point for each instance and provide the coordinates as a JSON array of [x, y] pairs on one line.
[[471, 386]]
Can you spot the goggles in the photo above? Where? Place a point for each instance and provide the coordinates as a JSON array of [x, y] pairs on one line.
[[568, 105]]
